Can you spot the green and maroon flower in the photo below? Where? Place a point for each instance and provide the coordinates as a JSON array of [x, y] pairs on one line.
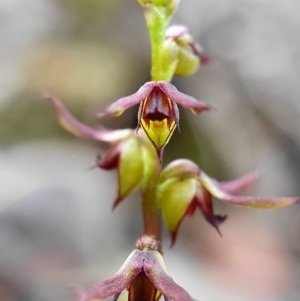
[[183, 188], [143, 274], [158, 113], [132, 155]]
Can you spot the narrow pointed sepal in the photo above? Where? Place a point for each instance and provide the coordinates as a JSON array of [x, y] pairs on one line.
[[203, 199], [156, 271], [119, 106], [145, 276], [120, 281], [70, 123], [182, 99], [218, 191], [79, 129], [236, 186]]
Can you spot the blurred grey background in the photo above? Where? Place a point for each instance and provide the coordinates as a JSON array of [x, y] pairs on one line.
[[56, 223]]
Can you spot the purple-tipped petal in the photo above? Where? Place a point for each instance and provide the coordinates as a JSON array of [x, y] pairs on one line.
[[123, 278], [248, 201], [203, 56], [70, 123], [119, 106], [235, 186], [182, 99], [155, 269], [79, 129]]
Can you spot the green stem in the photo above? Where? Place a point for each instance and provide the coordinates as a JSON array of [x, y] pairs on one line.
[[151, 212], [151, 215], [157, 36], [156, 23]]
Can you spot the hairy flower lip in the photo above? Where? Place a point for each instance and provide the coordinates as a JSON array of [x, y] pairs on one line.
[[158, 112]]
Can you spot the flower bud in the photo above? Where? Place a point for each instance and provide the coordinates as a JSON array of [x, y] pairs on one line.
[[190, 54]]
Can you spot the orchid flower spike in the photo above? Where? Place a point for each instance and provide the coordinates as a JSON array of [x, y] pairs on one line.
[[143, 274], [158, 113], [183, 188]]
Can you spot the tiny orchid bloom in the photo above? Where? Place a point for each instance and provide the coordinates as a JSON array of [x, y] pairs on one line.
[[183, 187], [158, 113], [143, 274], [191, 54], [124, 146]]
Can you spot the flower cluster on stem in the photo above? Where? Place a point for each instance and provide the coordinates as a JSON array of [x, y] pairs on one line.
[[170, 193]]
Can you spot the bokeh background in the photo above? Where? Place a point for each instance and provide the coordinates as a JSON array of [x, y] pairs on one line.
[[56, 223]]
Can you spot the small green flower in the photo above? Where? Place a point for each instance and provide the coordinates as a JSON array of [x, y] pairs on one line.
[[190, 54], [158, 113], [130, 154], [183, 188]]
